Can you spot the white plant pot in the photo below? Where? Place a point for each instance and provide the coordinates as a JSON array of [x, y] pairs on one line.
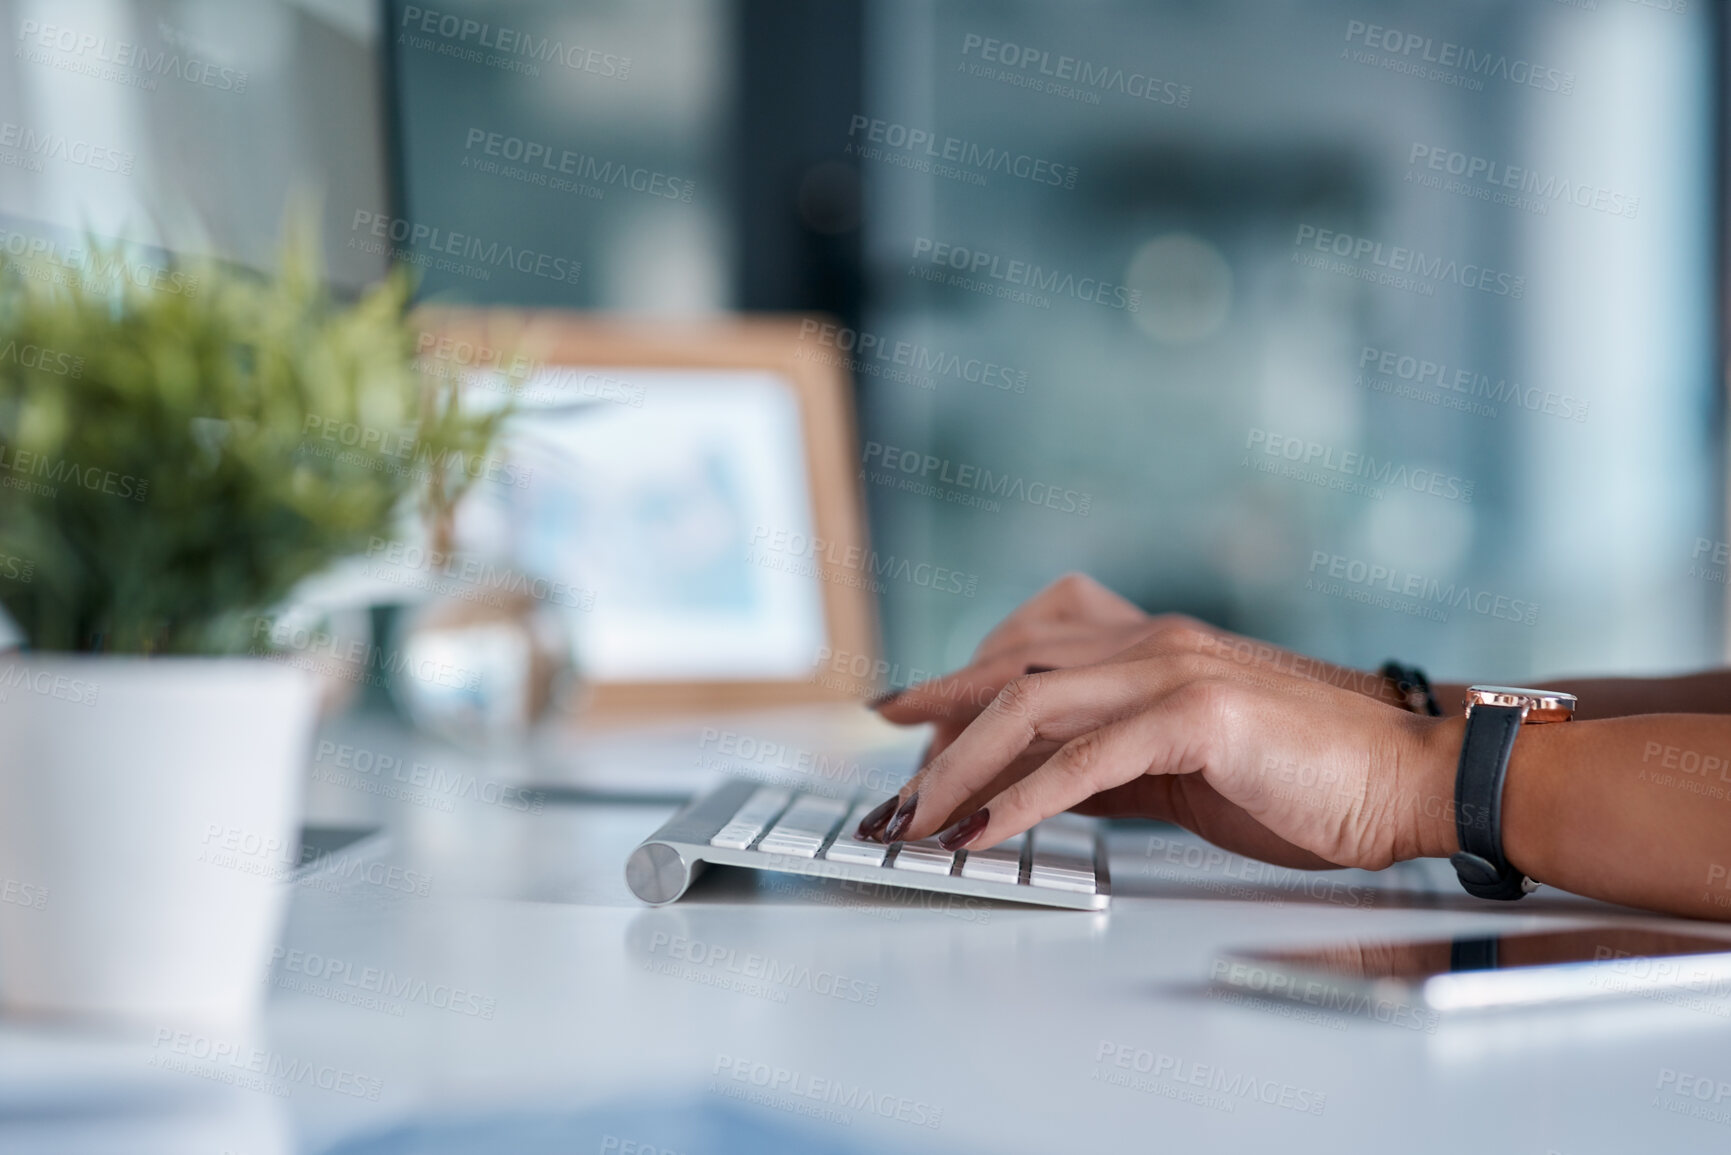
[[149, 816]]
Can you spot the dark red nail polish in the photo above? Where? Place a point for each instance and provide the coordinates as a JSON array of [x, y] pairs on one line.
[[872, 823], [965, 831], [904, 818]]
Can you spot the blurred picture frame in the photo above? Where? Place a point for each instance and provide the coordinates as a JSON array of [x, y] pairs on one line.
[[696, 483]]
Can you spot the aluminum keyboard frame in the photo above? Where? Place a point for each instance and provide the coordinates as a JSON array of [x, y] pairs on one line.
[[665, 864]]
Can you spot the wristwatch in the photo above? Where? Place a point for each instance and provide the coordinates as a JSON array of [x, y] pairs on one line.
[[1494, 717]]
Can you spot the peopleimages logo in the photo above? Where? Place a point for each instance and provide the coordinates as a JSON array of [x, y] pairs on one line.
[[1331, 573], [1016, 280], [415, 236], [1342, 998], [866, 352], [101, 57], [228, 1062], [922, 149], [1453, 63], [406, 446], [1048, 71], [771, 761], [59, 146], [501, 46], [792, 552], [802, 1093], [1395, 264], [1404, 375], [46, 259], [562, 170], [1512, 184], [470, 573], [1357, 472], [765, 968], [23, 464], [48, 685], [16, 569], [934, 471], [1193, 856], [37, 357], [343, 975], [1117, 1063], [1697, 1096]]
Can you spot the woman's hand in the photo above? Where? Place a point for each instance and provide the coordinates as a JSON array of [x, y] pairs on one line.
[[1072, 622], [1076, 621], [1275, 763]]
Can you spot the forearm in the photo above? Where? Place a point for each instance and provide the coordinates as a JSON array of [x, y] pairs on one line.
[[1708, 692], [1632, 810]]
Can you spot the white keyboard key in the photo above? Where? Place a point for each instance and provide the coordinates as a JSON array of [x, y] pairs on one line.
[[764, 804], [1065, 834], [1063, 858], [847, 848], [1000, 863], [924, 856], [803, 828], [749, 821], [814, 814], [1059, 878], [790, 842], [863, 853]]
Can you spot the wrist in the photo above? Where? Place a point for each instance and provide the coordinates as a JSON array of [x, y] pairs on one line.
[[1532, 804], [1385, 690], [1429, 790]]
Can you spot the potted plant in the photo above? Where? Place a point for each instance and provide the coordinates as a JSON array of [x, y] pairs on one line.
[[161, 490]]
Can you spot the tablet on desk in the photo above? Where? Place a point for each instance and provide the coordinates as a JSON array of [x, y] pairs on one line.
[[1489, 972]]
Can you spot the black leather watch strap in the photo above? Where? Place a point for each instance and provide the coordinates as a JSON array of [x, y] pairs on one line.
[[1413, 687], [1484, 764]]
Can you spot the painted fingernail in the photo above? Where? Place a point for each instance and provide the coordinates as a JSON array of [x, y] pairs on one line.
[[904, 818], [965, 831], [874, 822], [883, 699], [1039, 669]]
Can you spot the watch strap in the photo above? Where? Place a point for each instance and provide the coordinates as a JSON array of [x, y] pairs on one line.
[[1413, 688], [1484, 765]]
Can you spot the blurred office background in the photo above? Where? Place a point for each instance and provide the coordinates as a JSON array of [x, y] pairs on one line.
[[1200, 151]]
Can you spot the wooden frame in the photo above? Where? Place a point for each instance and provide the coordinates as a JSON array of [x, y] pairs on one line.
[[507, 339]]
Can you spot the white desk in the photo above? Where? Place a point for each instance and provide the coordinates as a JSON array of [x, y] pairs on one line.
[[990, 1020]]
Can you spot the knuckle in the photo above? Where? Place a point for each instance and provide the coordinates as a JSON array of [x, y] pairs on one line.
[[1216, 703], [1071, 593], [1018, 698], [1080, 757], [1181, 632], [1188, 668], [1074, 582]]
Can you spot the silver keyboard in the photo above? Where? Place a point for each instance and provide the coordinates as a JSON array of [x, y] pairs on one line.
[[1060, 862]]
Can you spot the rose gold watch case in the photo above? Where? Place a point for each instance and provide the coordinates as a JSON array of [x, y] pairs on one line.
[[1536, 706]]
